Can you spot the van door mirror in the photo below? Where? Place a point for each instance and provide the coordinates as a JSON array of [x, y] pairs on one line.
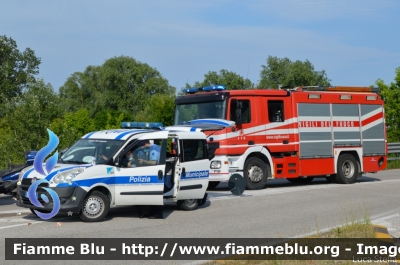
[[116, 161]]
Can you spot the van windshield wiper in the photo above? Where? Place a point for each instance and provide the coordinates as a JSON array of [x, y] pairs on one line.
[[74, 162]]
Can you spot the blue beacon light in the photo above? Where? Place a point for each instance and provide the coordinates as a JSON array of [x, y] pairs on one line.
[[206, 88]]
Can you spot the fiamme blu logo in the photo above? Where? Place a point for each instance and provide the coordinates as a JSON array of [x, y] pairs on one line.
[[38, 166]]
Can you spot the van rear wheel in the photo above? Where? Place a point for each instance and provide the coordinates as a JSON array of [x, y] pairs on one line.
[[95, 207], [188, 205]]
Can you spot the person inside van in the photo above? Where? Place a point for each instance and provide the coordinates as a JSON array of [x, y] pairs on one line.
[[128, 160], [148, 154]]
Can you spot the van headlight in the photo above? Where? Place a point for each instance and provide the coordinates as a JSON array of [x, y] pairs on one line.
[[66, 176], [215, 164]]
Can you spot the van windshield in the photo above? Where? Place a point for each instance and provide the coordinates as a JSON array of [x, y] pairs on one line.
[[85, 151]]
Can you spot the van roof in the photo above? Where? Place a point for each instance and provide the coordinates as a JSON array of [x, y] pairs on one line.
[[116, 134]]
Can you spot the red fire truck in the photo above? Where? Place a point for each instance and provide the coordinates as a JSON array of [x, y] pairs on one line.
[[298, 134]]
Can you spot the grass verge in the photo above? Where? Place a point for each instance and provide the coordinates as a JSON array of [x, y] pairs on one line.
[[351, 230], [393, 164]]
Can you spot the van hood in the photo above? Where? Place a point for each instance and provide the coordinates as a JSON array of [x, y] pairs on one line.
[[59, 167]]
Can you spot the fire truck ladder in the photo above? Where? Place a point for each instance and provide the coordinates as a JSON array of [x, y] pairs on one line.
[[337, 89]]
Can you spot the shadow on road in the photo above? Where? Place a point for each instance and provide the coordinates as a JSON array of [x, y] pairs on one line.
[[278, 183], [6, 200], [122, 212]]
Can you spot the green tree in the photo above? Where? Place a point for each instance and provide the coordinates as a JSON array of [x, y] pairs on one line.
[[121, 84], [26, 120], [160, 108], [17, 69], [111, 119], [285, 73], [231, 80], [391, 96], [72, 126]]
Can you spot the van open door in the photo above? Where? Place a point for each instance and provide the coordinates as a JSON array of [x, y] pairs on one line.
[[194, 167]]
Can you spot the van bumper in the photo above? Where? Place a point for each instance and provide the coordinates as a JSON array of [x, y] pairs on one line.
[[71, 199]]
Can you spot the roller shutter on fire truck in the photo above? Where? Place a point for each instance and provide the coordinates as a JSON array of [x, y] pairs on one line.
[[372, 128], [323, 126]]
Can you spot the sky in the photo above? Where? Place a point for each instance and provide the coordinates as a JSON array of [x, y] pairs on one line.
[[355, 42]]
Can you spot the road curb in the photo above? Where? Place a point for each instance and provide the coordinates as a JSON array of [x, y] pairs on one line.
[[14, 213], [382, 234]]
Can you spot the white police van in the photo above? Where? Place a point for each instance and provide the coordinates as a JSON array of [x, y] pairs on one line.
[[90, 177]]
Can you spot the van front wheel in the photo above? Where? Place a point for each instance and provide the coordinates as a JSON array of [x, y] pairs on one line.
[[95, 207]]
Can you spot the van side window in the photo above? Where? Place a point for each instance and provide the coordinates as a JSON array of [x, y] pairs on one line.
[[275, 111], [245, 110], [193, 150]]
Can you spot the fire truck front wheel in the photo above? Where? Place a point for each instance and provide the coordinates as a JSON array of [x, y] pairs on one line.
[[255, 173], [95, 207], [347, 169]]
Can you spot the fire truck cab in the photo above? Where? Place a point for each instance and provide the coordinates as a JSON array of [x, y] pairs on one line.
[[298, 134]]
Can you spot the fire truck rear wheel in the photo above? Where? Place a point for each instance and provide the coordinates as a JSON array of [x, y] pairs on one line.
[[188, 205], [255, 173], [95, 207], [347, 169]]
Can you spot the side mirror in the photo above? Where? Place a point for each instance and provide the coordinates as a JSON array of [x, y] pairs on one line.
[[116, 161], [60, 154]]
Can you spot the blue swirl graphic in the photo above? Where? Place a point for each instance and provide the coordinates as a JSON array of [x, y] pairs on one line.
[[38, 166], [32, 197], [45, 151]]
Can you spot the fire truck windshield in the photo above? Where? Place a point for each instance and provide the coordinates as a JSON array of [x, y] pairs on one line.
[[199, 110]]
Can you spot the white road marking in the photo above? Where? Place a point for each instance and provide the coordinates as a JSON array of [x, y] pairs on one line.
[[280, 190]]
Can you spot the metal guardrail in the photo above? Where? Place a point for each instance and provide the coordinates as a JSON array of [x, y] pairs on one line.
[[394, 148]]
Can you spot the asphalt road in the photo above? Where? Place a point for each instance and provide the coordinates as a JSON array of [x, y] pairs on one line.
[[282, 209]]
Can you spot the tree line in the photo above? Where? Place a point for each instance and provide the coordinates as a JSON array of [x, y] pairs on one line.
[[122, 89]]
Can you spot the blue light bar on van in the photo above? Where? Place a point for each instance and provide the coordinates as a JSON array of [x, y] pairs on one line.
[[141, 125], [206, 88]]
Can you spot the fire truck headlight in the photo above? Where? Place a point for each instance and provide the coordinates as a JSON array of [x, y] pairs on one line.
[[215, 164], [66, 176]]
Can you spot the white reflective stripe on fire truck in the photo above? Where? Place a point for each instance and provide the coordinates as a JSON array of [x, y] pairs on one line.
[[372, 113], [372, 124], [347, 129], [260, 144]]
